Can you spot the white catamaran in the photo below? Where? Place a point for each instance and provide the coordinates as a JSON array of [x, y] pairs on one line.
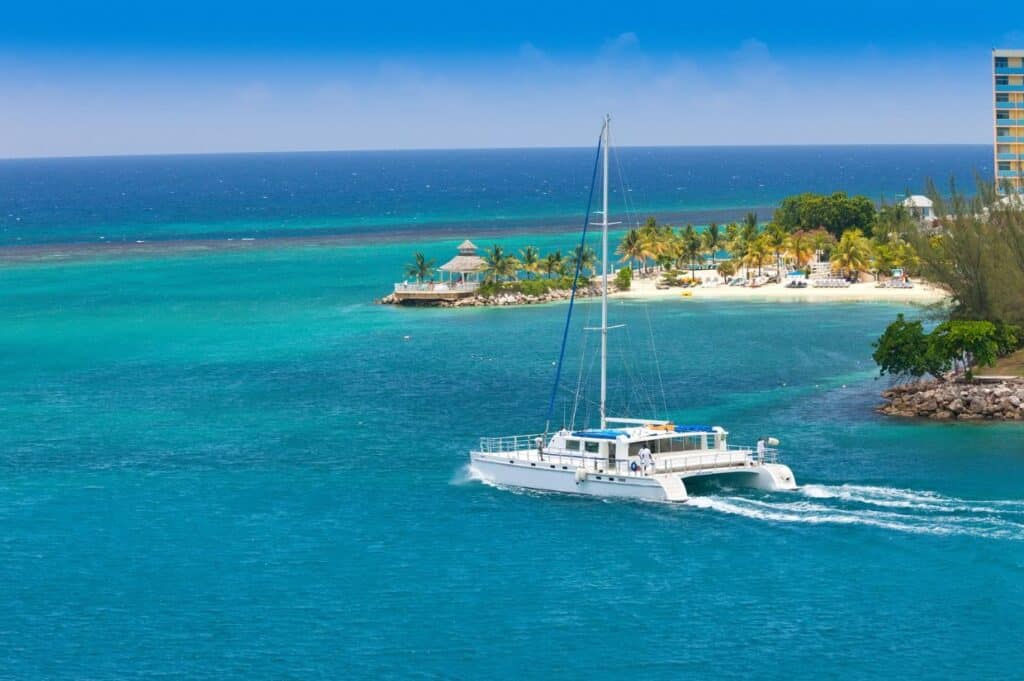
[[626, 457]]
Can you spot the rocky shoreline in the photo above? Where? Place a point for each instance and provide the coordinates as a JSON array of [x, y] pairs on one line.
[[957, 401], [502, 299]]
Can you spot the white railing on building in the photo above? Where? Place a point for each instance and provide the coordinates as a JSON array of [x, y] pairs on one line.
[[436, 287]]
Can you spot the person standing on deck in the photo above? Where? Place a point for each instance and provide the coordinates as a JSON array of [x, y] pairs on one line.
[[646, 460]]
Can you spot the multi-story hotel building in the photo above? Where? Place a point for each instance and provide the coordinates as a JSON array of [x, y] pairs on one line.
[[1008, 75]]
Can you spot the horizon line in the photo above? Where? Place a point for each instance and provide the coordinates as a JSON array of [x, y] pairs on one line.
[[282, 152]]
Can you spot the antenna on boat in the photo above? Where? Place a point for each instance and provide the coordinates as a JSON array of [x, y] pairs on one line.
[[604, 275]]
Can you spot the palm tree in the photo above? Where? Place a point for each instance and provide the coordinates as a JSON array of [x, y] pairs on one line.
[[712, 238], [420, 267], [499, 264], [758, 251], [778, 241], [689, 247], [655, 241], [631, 247], [585, 260], [749, 230], [553, 264], [801, 247], [883, 258], [530, 258], [852, 254]]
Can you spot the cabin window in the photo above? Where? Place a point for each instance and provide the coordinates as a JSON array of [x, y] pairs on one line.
[[572, 445], [592, 447]]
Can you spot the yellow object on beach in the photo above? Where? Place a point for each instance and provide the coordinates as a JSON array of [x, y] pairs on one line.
[[686, 294]]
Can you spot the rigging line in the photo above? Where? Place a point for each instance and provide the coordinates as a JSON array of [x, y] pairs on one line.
[[657, 364], [632, 214], [575, 280], [586, 371], [583, 357]]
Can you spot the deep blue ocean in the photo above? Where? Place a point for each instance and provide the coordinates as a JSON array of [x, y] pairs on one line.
[[410, 194], [230, 463]]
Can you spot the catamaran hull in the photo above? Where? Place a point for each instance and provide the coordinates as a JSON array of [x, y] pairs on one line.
[[671, 487]]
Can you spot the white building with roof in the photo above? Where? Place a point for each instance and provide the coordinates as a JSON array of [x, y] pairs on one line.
[[921, 207]]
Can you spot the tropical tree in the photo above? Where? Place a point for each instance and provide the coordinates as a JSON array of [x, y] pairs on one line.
[[499, 265], [530, 259], [758, 251], [836, 212], [749, 229], [822, 241], [713, 239], [631, 248], [800, 247], [778, 241], [420, 267], [883, 258], [553, 264], [727, 268], [658, 242], [852, 254], [585, 259], [688, 247]]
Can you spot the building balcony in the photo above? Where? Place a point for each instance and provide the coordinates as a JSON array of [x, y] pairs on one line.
[[1009, 88], [1009, 105], [1009, 138], [1009, 70], [1010, 157], [1003, 122], [1009, 174]]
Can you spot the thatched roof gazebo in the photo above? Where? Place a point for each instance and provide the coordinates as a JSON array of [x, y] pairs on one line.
[[464, 272], [467, 262]]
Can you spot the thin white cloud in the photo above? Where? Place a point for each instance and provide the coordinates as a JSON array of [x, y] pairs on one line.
[[744, 96]]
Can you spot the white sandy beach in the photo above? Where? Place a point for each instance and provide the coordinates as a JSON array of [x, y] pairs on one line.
[[922, 293]]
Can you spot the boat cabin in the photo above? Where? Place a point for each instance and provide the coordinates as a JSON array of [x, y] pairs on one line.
[[621, 444]]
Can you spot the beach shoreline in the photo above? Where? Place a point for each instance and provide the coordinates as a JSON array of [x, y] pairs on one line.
[[921, 294]]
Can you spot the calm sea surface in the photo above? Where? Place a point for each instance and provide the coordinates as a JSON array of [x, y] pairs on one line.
[[233, 464]]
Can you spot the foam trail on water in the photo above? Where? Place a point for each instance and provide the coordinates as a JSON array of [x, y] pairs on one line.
[[894, 497], [889, 508]]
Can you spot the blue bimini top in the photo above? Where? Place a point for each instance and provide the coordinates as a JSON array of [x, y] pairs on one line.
[[694, 429], [606, 434]]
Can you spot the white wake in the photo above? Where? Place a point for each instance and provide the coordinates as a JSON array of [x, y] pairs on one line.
[[889, 508]]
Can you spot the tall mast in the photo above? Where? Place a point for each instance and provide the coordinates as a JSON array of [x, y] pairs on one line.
[[604, 278]]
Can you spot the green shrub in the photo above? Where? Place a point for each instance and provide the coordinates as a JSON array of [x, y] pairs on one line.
[[624, 278], [904, 349]]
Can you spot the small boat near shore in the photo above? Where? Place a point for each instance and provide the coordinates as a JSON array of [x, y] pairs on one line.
[[641, 458]]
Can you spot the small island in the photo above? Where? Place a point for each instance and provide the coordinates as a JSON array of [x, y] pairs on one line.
[[498, 278], [815, 247]]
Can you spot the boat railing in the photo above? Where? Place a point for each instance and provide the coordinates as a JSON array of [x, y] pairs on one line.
[[767, 455], [510, 443], [524, 447]]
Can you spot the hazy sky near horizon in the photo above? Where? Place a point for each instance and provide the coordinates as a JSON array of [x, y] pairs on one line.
[[183, 77]]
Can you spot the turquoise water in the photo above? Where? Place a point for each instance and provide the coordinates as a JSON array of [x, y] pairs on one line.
[[234, 465]]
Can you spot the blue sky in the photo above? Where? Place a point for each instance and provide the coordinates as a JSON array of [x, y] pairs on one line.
[[159, 77]]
